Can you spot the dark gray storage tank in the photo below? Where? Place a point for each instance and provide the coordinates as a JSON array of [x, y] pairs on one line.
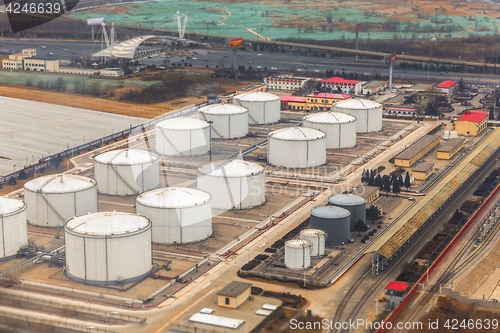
[[356, 205], [334, 221]]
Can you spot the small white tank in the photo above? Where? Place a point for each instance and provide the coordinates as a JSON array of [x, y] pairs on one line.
[[317, 238], [446, 135], [298, 254], [454, 135]]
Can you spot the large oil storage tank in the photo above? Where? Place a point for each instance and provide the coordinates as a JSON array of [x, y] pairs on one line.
[[108, 247], [317, 238], [179, 215], [355, 204], [228, 121], [126, 171], [53, 199], [368, 113], [297, 254], [263, 107], [340, 128], [183, 136], [235, 184], [13, 230], [296, 147], [334, 221]]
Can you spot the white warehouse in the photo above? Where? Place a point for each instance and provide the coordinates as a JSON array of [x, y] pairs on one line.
[[126, 172], [108, 248], [179, 215], [53, 199], [235, 184], [228, 121], [183, 136], [263, 107], [296, 147]]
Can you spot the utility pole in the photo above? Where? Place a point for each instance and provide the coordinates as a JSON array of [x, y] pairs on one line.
[[356, 30]]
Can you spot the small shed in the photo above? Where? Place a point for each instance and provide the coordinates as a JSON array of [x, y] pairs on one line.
[[396, 292], [234, 294], [422, 171]]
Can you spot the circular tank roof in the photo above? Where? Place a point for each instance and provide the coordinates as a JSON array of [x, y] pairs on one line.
[[173, 197], [107, 223], [234, 168], [297, 134], [312, 232], [357, 104], [183, 123], [257, 96], [60, 183], [297, 243], [223, 109], [10, 205], [330, 212], [329, 118], [126, 157], [346, 200]]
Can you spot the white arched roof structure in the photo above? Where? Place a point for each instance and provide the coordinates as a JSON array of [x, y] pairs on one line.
[[124, 49]]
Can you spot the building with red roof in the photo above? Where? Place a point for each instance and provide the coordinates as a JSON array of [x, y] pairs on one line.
[[318, 101], [347, 86], [448, 88], [396, 292], [297, 103], [472, 122]]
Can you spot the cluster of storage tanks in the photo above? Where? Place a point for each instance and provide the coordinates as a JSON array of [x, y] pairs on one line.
[[330, 226]]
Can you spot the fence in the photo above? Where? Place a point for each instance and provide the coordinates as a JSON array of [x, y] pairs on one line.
[[490, 303]]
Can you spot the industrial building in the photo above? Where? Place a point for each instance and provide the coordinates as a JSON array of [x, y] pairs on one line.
[[447, 87], [355, 204], [422, 171], [296, 147], [183, 136], [108, 248], [450, 148], [285, 82], [370, 193], [13, 228], [402, 110], [340, 128], [295, 103], [53, 199], [263, 107], [235, 184], [373, 87], [228, 121], [416, 151], [346, 86], [396, 293], [471, 123], [179, 215], [28, 60], [298, 254], [334, 221], [368, 113], [126, 172], [323, 101], [234, 294]]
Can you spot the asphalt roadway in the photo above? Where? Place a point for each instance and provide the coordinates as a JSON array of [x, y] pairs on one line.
[[274, 62]]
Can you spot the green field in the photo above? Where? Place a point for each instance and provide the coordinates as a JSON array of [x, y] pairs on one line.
[[214, 18]]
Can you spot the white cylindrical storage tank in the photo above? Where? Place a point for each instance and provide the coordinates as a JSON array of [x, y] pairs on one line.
[[235, 184], [446, 135], [317, 238], [183, 136], [179, 215], [340, 128], [296, 147], [53, 199], [297, 254], [13, 230], [453, 135], [263, 107], [368, 113], [126, 171], [108, 247], [355, 204], [229, 121], [334, 221]]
